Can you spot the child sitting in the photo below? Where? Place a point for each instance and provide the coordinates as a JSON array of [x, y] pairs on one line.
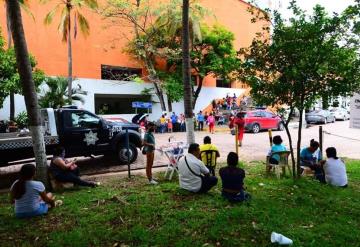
[[276, 147]]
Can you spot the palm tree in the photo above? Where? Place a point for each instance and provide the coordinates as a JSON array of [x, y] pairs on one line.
[[187, 74], [25, 72], [24, 5], [56, 94], [70, 9]]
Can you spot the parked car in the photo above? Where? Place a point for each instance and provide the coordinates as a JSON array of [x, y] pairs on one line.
[[261, 119], [319, 116], [80, 132], [340, 114]]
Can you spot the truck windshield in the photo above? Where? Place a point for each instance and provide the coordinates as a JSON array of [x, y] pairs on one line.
[[84, 120]]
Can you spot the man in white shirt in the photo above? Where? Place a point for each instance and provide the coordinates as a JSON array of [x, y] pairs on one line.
[[193, 174], [335, 170]]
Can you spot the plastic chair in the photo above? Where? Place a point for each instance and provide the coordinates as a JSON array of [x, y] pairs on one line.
[[283, 163], [210, 156]]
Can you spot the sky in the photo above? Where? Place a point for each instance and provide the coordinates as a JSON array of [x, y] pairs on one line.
[[330, 5]]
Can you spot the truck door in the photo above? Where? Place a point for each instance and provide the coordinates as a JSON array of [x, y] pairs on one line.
[[82, 133]]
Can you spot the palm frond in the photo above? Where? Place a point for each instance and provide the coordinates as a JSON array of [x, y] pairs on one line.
[[25, 6], [83, 23], [64, 24], [50, 16]]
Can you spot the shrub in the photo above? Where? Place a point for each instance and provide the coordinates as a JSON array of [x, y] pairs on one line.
[[22, 120]]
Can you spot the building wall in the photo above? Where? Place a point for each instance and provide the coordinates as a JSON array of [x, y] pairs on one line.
[[106, 45], [95, 86]]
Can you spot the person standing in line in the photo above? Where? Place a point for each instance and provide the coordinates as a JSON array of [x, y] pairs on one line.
[[240, 122], [182, 123], [211, 122], [149, 149], [29, 196], [174, 121], [201, 120], [162, 124], [170, 126]]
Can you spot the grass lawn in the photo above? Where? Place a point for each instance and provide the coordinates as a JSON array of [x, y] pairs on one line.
[[130, 213]]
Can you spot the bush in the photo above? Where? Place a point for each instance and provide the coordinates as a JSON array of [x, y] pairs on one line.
[[22, 120]]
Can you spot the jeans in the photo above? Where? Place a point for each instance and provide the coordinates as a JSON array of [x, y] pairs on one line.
[[201, 125], [182, 127], [318, 170], [163, 128], [72, 177], [240, 197], [207, 183], [43, 209]]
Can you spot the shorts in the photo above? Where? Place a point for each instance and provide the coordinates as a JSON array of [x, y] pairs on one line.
[[43, 209]]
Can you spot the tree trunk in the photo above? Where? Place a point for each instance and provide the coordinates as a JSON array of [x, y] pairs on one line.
[[197, 91], [169, 104], [12, 106], [8, 28], [70, 76], [9, 44], [188, 105], [299, 143], [28, 87]]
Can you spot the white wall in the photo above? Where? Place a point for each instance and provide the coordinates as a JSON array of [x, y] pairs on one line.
[[355, 112], [93, 86]]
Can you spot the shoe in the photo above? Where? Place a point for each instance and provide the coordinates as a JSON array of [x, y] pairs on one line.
[[153, 182]]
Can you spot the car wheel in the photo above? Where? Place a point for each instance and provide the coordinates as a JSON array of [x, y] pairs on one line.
[[255, 128], [122, 153], [281, 127]]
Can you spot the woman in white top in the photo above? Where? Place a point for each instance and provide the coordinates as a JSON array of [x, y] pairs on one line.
[[335, 170], [30, 196]]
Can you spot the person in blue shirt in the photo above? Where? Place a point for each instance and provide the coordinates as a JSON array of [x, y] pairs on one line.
[[276, 147], [201, 119], [174, 118], [308, 159]]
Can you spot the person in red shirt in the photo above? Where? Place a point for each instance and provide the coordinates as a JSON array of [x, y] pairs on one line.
[[211, 122], [240, 122]]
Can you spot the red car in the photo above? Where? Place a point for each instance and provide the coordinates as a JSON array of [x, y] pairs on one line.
[[261, 119]]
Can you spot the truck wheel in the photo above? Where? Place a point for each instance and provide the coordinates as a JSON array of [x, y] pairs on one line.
[[255, 128], [122, 153]]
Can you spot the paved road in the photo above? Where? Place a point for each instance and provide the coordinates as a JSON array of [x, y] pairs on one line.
[[255, 146]]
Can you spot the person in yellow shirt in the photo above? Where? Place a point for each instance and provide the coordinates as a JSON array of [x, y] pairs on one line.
[[163, 124], [209, 154]]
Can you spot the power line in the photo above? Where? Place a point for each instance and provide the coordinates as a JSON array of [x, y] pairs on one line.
[[345, 137]]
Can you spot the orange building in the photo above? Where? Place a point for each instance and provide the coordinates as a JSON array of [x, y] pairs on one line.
[[104, 46]]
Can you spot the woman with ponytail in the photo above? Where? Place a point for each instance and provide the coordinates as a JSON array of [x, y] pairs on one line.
[[30, 196]]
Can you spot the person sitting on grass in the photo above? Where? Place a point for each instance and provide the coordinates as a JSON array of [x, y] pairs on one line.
[[206, 147], [307, 159], [334, 169], [193, 174], [232, 178], [30, 196], [276, 147], [65, 171]]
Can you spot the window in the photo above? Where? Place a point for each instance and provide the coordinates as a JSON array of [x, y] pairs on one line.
[[222, 83], [118, 73], [257, 114], [268, 114], [84, 120], [119, 103]]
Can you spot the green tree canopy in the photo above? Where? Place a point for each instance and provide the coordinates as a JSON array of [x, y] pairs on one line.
[[9, 76], [305, 59]]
